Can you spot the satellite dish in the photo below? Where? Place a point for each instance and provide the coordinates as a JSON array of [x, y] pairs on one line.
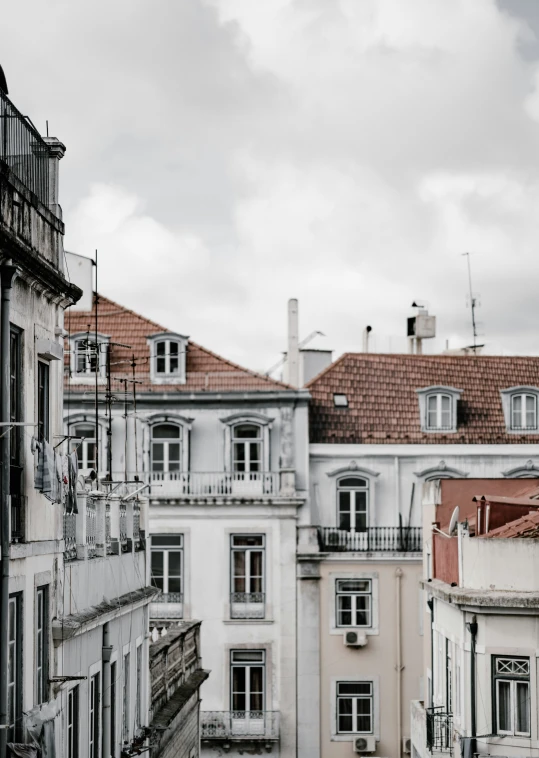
[[454, 521]]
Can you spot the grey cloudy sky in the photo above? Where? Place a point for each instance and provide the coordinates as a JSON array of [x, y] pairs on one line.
[[225, 155]]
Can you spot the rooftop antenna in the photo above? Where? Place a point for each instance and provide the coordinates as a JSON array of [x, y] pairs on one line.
[[473, 304]]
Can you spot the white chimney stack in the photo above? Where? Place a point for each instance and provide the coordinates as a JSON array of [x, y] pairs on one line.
[[293, 343]]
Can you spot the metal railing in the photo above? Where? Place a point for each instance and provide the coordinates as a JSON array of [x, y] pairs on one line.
[[136, 525], [123, 527], [108, 537], [375, 538], [90, 528], [70, 536], [18, 509], [168, 597], [439, 725], [247, 605], [218, 483], [222, 725], [23, 150]]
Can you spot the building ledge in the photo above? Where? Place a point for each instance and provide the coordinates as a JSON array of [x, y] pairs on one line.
[[166, 715], [66, 627], [481, 598]]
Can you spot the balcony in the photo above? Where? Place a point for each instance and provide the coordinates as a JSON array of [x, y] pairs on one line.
[[167, 605], [208, 484], [240, 726], [374, 539], [439, 730], [247, 605]]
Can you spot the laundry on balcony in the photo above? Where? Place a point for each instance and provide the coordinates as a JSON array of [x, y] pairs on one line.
[[48, 476]]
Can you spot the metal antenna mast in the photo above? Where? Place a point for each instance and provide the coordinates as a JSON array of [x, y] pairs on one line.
[[473, 303]]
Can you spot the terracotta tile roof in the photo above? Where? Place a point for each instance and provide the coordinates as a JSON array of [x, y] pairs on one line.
[[383, 404], [526, 526], [465, 492], [205, 371]]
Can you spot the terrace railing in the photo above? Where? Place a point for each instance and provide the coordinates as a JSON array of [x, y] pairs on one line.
[[23, 150], [439, 730], [373, 539], [246, 725]]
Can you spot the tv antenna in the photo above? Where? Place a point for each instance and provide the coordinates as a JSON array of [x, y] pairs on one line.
[[473, 304]]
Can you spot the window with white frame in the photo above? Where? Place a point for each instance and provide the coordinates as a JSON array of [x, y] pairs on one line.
[[84, 446], [73, 723], [167, 566], [439, 412], [14, 682], [248, 676], [353, 504], [41, 645], [524, 411], [247, 573], [166, 448], [94, 727], [512, 695], [353, 599], [89, 355], [247, 442], [355, 707], [167, 357]]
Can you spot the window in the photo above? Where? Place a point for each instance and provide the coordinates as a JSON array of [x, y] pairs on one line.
[[166, 448], [113, 709], [73, 723], [85, 447], [14, 684], [354, 708], [94, 727], [15, 398], [512, 695], [90, 355], [248, 680], [439, 412], [246, 448], [167, 357], [247, 576], [524, 411], [125, 699], [340, 401], [41, 644], [352, 499], [138, 715], [354, 602], [167, 566], [43, 400]]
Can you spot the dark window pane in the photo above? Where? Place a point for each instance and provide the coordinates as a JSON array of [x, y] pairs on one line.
[[174, 584], [173, 348], [239, 679], [167, 539], [157, 563], [238, 701], [246, 430], [161, 348], [166, 431], [161, 365], [174, 563], [354, 688], [352, 481]]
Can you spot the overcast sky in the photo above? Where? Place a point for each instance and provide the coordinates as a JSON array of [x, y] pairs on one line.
[[225, 155]]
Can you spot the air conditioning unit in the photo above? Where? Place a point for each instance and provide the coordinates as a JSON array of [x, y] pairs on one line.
[[365, 744], [355, 639], [406, 745]]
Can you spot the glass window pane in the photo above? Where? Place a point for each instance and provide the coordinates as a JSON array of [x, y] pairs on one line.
[[256, 563], [174, 563], [247, 540], [354, 688], [239, 679], [158, 451], [353, 585], [363, 610], [174, 584], [517, 411], [256, 679], [523, 707], [174, 452], [363, 706], [504, 706], [248, 656], [353, 481], [166, 431], [254, 456], [161, 348], [246, 431], [167, 539], [157, 563], [161, 365], [345, 720], [173, 348]]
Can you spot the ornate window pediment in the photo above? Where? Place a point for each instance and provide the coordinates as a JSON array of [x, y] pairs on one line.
[[441, 471]]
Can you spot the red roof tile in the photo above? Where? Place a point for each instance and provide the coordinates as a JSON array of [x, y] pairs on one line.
[[383, 405], [205, 371], [526, 526]]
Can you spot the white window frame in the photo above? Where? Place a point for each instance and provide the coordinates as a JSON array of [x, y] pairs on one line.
[[81, 445], [439, 412], [353, 595], [78, 342], [168, 376], [373, 578], [73, 722], [237, 419], [350, 736], [166, 442], [523, 397], [15, 686], [246, 443], [41, 647], [178, 547], [507, 396], [247, 665], [355, 698], [439, 391], [513, 679], [354, 489]]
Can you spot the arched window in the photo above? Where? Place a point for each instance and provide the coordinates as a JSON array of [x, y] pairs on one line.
[[86, 447], [439, 412], [353, 504], [167, 357], [246, 448], [524, 411], [166, 447]]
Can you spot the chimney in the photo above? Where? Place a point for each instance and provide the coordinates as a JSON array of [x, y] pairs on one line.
[[366, 333], [293, 343]]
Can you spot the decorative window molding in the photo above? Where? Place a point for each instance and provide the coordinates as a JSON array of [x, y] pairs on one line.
[[83, 356], [528, 471], [336, 736], [168, 358], [438, 408], [353, 468], [340, 576], [441, 471], [520, 409], [85, 453], [233, 424], [169, 419]]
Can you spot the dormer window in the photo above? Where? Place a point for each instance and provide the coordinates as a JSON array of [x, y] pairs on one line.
[[89, 354], [438, 408], [167, 365], [520, 409]]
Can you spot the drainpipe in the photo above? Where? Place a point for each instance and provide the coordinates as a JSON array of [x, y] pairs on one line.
[[430, 603], [106, 654], [7, 272], [399, 667], [472, 628]]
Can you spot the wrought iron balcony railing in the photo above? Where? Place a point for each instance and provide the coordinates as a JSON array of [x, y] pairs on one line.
[[373, 539], [239, 725], [439, 725], [168, 597], [247, 605], [234, 484], [23, 150]]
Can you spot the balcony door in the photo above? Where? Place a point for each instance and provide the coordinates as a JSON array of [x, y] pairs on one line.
[[353, 509], [166, 453], [248, 676]]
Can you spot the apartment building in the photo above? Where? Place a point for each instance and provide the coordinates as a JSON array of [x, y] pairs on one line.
[[222, 454], [34, 294], [481, 608], [380, 427]]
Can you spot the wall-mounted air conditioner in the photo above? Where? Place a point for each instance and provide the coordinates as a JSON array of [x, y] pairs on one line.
[[366, 744], [355, 639], [406, 745]]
